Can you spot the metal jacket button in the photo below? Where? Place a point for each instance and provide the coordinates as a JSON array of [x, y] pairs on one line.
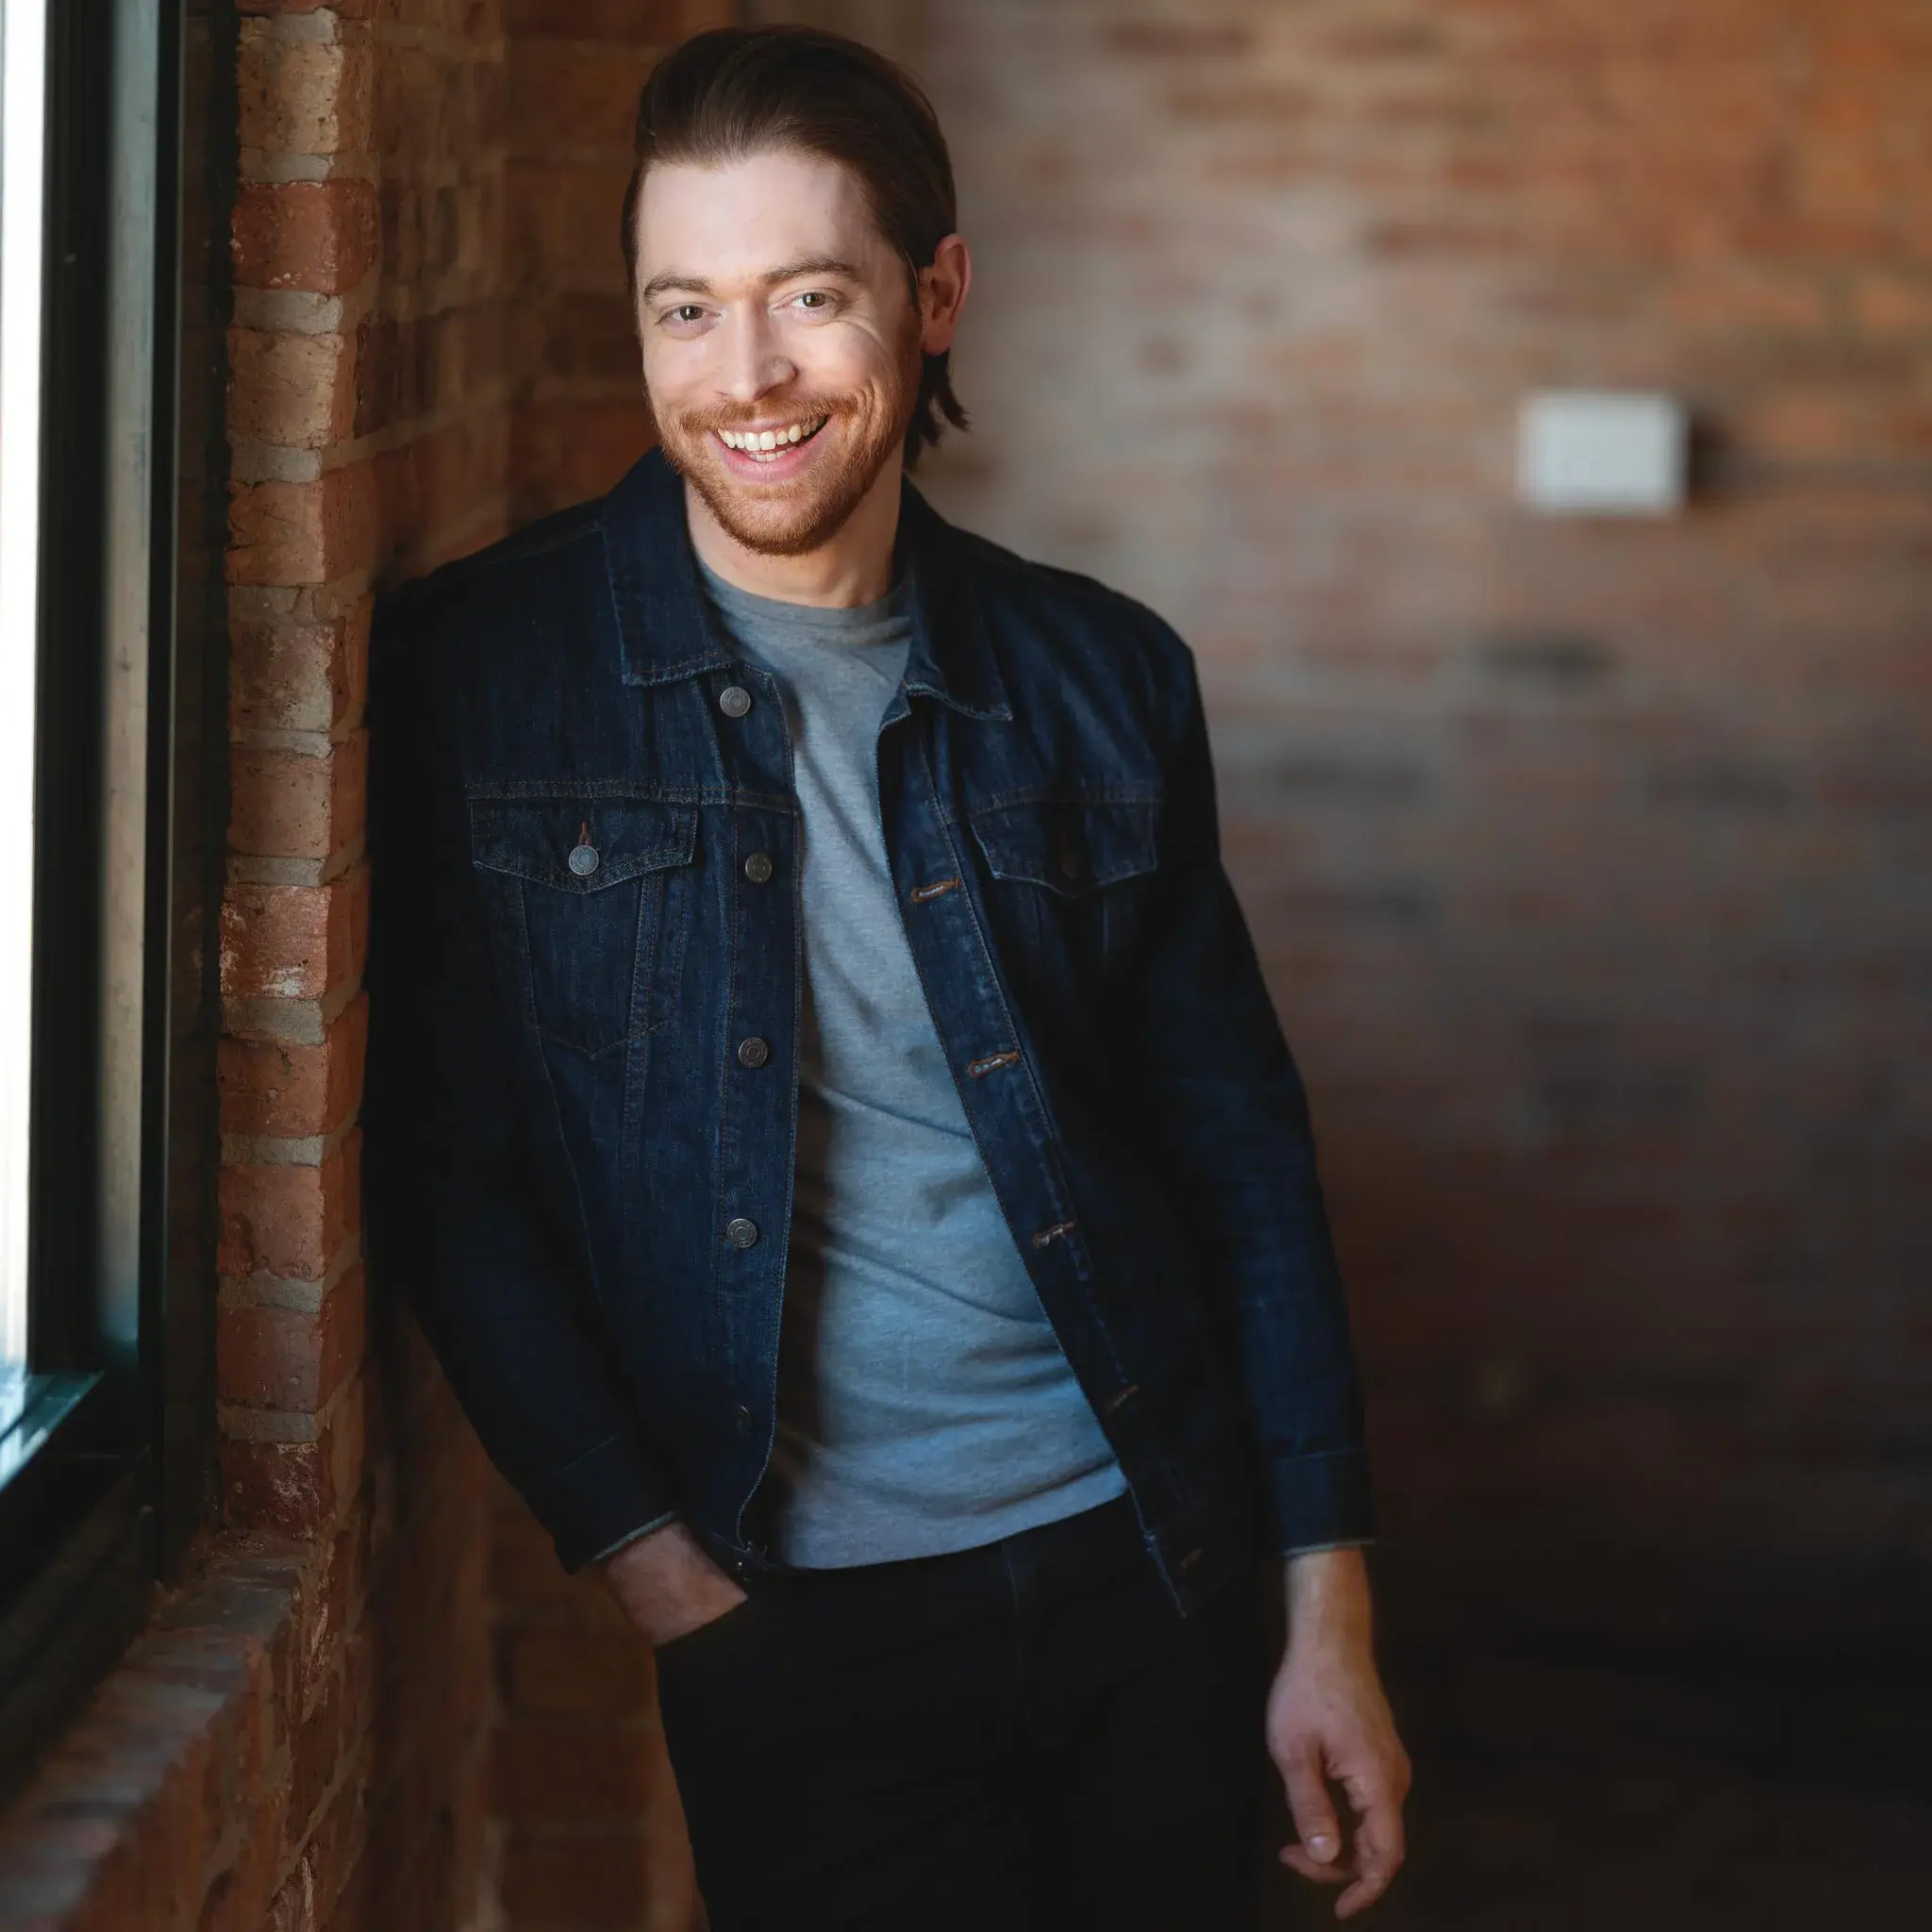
[[752, 1052], [583, 861], [757, 867], [740, 1232], [734, 701]]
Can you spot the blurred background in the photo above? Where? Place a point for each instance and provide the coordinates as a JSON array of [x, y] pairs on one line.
[[1587, 854]]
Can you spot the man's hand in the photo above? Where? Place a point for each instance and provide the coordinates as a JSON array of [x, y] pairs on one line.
[[1328, 1721], [666, 1583]]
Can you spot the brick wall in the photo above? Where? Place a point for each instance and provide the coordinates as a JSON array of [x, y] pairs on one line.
[[578, 415], [306, 1737], [1589, 860]]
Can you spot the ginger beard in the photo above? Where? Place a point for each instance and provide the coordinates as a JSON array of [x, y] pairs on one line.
[[825, 476]]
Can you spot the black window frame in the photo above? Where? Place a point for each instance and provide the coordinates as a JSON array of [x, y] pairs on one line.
[[130, 826]]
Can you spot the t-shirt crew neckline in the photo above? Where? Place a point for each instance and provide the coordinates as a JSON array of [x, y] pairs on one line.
[[847, 623]]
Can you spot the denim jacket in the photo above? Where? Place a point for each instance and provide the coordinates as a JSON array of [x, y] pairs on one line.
[[587, 896]]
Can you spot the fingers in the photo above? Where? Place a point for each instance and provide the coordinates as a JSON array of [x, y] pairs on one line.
[[1378, 1850], [1312, 1810], [1298, 1862]]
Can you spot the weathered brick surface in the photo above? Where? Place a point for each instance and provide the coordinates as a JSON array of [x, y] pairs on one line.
[[578, 1758], [304, 97], [290, 1218], [303, 533], [315, 236], [299, 805], [285, 1088], [298, 672], [1587, 859], [580, 420], [295, 942], [290, 1358], [294, 390], [307, 1749]]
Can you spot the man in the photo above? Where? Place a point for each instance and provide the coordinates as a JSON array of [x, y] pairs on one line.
[[828, 1115]]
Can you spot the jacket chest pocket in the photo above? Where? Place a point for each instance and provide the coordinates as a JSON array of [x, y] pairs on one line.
[[1062, 873], [592, 898]]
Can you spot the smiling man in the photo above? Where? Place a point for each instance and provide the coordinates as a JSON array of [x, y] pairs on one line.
[[827, 1113]]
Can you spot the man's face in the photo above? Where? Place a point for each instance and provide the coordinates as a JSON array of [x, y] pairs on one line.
[[781, 343]]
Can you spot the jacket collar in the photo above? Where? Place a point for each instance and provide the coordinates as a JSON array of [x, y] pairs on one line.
[[667, 630]]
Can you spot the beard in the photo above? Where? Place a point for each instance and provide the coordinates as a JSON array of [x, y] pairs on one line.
[[863, 430]]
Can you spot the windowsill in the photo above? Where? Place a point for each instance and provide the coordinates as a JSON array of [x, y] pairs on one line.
[[212, 1681], [31, 1409]]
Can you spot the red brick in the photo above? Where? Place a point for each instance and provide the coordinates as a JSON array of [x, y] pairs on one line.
[[579, 98], [597, 1877], [292, 805], [301, 942], [296, 392], [289, 1221], [294, 1489], [286, 1088], [576, 1671], [271, 1358], [600, 1773], [646, 23], [562, 451], [319, 235], [299, 675], [306, 97], [1166, 40], [346, 10], [303, 533]]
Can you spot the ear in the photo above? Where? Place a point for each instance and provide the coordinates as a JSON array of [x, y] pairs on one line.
[[942, 290]]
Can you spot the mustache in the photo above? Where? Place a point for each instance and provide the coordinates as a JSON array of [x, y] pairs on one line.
[[798, 408]]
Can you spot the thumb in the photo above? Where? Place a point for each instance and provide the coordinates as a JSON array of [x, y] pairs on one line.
[[1309, 1801]]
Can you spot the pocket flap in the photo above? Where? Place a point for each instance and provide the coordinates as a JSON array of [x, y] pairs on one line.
[[536, 838], [1069, 846]]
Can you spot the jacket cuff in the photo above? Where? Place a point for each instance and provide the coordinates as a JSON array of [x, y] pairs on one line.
[[600, 1500], [1320, 1499]]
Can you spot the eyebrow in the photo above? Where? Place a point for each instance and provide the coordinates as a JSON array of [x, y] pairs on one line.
[[806, 265]]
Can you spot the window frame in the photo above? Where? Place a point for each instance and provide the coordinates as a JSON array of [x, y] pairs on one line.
[[129, 826]]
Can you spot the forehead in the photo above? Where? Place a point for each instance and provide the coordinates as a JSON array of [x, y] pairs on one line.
[[741, 218]]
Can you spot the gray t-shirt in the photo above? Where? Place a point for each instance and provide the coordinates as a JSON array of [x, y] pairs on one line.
[[924, 1402]]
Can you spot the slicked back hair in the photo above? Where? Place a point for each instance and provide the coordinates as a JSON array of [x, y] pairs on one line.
[[737, 92]]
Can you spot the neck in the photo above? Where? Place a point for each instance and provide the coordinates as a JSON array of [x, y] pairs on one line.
[[853, 567]]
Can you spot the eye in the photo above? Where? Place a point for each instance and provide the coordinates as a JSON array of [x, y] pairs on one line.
[[686, 311], [815, 298]]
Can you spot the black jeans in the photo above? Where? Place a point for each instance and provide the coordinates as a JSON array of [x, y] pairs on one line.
[[1027, 1734]]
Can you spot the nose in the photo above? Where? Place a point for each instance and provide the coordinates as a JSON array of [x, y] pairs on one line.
[[754, 363]]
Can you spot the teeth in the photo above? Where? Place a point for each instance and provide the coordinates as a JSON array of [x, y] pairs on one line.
[[759, 442]]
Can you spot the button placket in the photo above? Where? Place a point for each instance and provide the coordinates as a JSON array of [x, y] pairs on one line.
[[933, 880]]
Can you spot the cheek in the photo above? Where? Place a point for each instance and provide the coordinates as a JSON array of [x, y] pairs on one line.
[[674, 371], [844, 359]]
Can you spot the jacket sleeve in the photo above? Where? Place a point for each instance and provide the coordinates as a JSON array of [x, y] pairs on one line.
[[1229, 1122], [456, 1221]]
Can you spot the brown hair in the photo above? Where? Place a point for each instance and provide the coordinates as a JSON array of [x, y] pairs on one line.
[[737, 91]]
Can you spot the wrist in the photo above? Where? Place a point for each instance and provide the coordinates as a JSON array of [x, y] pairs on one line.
[[1329, 1601], [666, 1583]]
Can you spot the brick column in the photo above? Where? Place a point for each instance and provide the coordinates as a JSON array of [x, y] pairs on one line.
[[367, 427]]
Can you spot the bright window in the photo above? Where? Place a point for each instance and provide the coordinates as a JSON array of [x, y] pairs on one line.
[[23, 98]]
